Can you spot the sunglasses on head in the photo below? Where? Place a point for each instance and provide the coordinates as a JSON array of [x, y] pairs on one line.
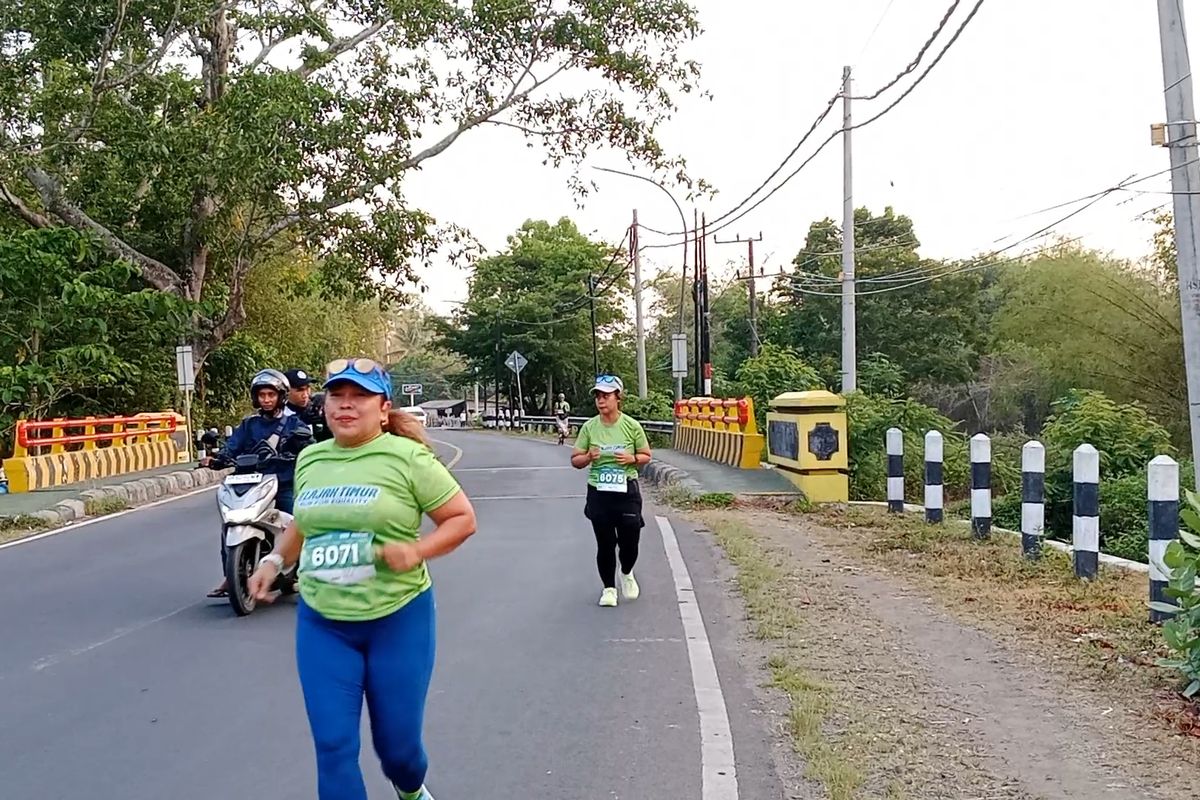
[[363, 366]]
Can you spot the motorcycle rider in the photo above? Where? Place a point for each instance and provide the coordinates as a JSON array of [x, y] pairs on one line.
[[268, 393], [562, 410], [308, 406]]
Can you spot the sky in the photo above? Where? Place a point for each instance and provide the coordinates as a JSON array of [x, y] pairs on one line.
[[1039, 102]]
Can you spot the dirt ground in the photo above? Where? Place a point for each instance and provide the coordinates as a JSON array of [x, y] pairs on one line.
[[915, 664]]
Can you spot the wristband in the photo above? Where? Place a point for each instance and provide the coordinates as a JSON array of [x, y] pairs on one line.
[[273, 558]]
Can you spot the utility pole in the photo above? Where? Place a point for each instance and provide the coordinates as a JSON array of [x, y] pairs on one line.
[[705, 339], [592, 300], [1185, 185], [849, 325], [750, 278], [697, 305], [636, 255]]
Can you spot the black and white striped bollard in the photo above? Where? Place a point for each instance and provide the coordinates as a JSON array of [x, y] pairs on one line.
[[1033, 499], [1085, 524], [981, 485], [1163, 492], [934, 450], [895, 470]]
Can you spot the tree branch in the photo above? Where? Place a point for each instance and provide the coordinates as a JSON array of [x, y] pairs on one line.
[[338, 47], [23, 211], [154, 272], [170, 35], [513, 98], [360, 191]]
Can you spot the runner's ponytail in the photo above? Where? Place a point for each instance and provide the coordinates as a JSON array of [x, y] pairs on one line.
[[401, 423]]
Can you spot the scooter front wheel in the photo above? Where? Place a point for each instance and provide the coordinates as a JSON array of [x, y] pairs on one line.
[[240, 563]]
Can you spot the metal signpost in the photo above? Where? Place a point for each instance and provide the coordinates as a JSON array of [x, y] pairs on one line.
[[517, 362], [185, 378], [412, 390]]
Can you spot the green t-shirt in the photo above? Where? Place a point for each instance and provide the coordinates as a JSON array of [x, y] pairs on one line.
[[624, 435], [369, 495]]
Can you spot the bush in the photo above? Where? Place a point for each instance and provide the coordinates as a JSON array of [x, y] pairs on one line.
[[869, 418], [655, 407], [772, 372], [1127, 439], [1182, 632]]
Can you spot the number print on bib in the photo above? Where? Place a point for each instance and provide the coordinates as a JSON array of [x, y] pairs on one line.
[[611, 479], [342, 557]]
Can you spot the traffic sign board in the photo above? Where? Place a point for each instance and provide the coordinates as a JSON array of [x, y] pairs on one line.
[[412, 389], [516, 362]]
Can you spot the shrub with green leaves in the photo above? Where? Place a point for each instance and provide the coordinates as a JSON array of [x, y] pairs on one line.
[[1182, 631], [1127, 438], [774, 371]]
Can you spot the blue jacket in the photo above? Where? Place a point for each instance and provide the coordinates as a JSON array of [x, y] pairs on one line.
[[255, 429]]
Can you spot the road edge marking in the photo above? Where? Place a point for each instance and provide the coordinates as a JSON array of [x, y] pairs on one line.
[[71, 526], [718, 769], [458, 453]]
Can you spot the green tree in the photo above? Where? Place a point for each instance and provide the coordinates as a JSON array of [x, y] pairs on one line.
[[76, 337], [534, 298], [199, 141], [926, 317], [1094, 322]]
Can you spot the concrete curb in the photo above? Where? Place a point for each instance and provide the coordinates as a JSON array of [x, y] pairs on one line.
[[662, 474], [134, 492]]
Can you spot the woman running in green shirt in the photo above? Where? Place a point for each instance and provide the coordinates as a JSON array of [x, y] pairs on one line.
[[612, 446], [365, 624]]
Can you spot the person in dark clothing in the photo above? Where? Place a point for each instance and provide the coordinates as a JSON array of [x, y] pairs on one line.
[[276, 436], [306, 405]]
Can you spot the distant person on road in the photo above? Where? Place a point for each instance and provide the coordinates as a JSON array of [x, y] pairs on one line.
[[303, 403], [365, 624], [612, 445], [562, 413], [276, 437]]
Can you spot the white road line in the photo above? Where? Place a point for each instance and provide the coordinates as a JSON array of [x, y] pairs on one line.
[[512, 469], [84, 523], [475, 499], [49, 661], [458, 453], [718, 769]]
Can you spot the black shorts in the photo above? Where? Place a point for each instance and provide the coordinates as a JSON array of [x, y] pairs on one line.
[[612, 508]]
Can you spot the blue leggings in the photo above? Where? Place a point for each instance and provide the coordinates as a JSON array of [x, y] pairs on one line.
[[390, 660]]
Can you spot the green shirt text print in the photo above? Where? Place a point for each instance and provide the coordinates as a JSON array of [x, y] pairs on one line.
[[624, 435], [349, 500]]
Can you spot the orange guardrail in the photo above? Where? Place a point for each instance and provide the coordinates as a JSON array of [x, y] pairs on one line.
[[721, 430], [55, 452]]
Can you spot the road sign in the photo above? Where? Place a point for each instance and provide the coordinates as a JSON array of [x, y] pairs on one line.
[[516, 362], [679, 367], [412, 389], [185, 368]]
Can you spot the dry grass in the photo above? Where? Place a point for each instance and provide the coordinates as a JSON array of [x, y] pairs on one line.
[[18, 527], [104, 505], [825, 730], [990, 583]]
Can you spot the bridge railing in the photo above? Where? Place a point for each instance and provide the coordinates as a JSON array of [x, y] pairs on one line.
[[574, 423], [56, 452]]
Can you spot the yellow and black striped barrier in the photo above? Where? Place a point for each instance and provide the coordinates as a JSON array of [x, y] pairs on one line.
[[58, 452], [719, 430]]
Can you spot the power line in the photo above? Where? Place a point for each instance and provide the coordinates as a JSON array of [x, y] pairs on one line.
[[916, 62], [937, 59], [875, 30]]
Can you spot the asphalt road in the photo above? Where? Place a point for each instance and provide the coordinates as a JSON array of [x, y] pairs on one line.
[[119, 680]]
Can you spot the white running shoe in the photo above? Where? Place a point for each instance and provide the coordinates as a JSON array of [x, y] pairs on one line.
[[608, 598], [629, 586]]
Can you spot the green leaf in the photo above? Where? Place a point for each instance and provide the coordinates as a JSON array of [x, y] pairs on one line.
[[1191, 539], [1190, 518], [1176, 555], [1192, 689], [1165, 608]]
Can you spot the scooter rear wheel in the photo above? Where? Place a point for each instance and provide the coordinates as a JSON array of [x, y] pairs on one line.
[[240, 562]]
